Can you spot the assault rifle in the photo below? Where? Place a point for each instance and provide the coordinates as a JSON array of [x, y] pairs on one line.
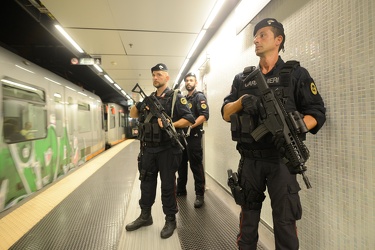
[[157, 110], [279, 121]]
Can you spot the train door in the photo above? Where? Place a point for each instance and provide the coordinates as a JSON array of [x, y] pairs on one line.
[[23, 165], [121, 124], [98, 137], [71, 108], [112, 132], [59, 127]]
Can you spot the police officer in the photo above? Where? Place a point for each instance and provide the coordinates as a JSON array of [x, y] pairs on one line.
[[260, 164], [194, 152], [159, 154]]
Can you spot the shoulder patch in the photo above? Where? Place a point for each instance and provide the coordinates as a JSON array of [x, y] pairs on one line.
[[313, 88], [183, 100], [203, 106]]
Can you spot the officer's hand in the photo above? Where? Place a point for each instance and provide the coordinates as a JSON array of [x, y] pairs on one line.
[[252, 105], [140, 106], [161, 123], [279, 142]]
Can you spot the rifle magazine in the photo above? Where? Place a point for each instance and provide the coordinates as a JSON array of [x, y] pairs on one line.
[[259, 132]]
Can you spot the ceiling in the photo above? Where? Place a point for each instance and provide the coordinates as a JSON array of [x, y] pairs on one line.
[[128, 36]]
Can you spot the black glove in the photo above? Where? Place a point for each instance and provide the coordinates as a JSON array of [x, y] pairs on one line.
[[279, 142], [251, 104], [140, 106]]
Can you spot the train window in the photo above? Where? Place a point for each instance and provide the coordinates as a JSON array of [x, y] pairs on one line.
[[84, 118], [84, 106], [19, 90], [24, 111], [122, 119], [112, 121]]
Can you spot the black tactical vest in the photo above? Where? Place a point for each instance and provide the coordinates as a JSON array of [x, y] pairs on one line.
[[242, 124], [149, 130]]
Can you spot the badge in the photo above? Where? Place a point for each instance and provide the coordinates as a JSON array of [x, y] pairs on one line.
[[313, 88], [190, 105], [203, 106], [183, 100]]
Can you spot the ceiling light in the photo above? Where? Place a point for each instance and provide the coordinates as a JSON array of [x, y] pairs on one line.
[[181, 70], [196, 43], [62, 31], [97, 67], [213, 14], [117, 86], [108, 78]]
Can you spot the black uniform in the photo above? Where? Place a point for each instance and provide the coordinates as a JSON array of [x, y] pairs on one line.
[[160, 154], [261, 165], [194, 152]]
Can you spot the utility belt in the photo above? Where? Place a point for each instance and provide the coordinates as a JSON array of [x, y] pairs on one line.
[[259, 153]]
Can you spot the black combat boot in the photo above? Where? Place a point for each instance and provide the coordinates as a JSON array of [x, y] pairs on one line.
[[145, 219], [199, 200], [169, 227]]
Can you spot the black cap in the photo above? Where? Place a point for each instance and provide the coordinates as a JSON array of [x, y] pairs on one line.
[[273, 23], [190, 74], [159, 67]]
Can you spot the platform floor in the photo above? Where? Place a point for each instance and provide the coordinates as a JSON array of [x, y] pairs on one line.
[[89, 208]]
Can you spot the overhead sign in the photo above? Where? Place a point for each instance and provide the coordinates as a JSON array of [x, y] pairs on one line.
[[86, 61]]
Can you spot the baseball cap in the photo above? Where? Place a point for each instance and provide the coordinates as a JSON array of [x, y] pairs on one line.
[[159, 67], [273, 23], [190, 74]]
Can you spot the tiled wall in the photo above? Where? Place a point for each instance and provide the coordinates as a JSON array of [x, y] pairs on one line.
[[335, 41]]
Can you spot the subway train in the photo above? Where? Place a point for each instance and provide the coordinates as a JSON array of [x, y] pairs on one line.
[[48, 127], [114, 124]]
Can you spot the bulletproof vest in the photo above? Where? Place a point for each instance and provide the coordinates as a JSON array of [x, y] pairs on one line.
[[243, 124], [149, 130]]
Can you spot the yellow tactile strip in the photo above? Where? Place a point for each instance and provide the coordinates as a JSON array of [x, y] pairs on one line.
[[15, 224]]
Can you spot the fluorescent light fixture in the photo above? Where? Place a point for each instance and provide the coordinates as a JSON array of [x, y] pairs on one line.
[[213, 14], [82, 93], [196, 43], [24, 69], [108, 78], [182, 69], [62, 31], [18, 84], [246, 11], [117, 86], [124, 93], [97, 67]]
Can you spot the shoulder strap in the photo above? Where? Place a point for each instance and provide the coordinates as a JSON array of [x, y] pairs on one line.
[[174, 100], [286, 72], [248, 70], [285, 77]]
